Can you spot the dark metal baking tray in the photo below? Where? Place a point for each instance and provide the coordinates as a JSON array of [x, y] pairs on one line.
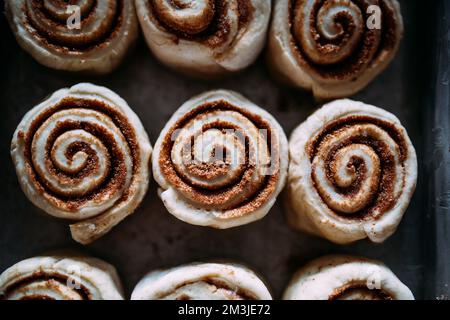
[[415, 87]]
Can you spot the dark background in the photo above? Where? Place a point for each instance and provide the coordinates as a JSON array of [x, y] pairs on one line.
[[151, 238]]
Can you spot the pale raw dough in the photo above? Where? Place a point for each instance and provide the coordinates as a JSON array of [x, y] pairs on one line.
[[202, 281], [201, 54], [346, 277], [98, 203], [327, 212], [61, 277]]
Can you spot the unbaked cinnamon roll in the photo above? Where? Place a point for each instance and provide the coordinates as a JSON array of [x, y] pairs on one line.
[[83, 155], [202, 281], [82, 35], [220, 161], [207, 37], [334, 47], [352, 173], [340, 277], [58, 277]]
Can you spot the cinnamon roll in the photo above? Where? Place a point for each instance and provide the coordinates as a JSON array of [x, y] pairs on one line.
[[82, 35], [220, 161], [202, 281], [341, 277], [83, 155], [336, 47], [58, 277], [352, 173], [207, 37]]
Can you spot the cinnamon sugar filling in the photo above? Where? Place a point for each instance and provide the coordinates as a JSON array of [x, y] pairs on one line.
[[62, 279], [214, 280], [359, 291]]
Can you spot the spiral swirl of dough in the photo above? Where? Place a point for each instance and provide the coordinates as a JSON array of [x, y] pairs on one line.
[[83, 155], [202, 281], [205, 38], [334, 47], [340, 277], [356, 175], [50, 32], [60, 278], [221, 161]]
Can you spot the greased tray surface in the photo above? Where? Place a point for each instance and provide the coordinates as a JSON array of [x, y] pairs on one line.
[[151, 238]]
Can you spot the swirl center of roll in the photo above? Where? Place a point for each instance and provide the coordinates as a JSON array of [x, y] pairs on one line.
[[357, 167], [80, 157], [74, 162], [213, 150], [329, 31], [220, 157], [191, 17], [97, 20]]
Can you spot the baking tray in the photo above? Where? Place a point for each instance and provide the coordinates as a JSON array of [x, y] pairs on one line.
[[151, 238]]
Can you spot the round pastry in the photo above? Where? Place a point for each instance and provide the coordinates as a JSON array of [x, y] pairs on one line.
[[352, 173], [334, 48], [83, 35], [58, 277], [206, 38], [83, 155], [220, 161], [202, 281], [346, 278]]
